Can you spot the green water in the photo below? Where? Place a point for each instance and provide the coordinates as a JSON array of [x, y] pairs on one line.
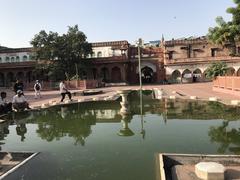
[[83, 141]]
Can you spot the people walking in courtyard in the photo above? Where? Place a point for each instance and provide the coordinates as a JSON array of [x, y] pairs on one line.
[[5, 106], [37, 88], [64, 91], [18, 86], [19, 102]]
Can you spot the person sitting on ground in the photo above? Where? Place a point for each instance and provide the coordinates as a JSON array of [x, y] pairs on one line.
[[19, 102], [37, 88], [5, 106], [64, 91], [18, 86]]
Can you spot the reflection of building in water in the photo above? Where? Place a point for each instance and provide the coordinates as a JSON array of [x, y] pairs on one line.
[[106, 114], [157, 93], [185, 109], [126, 116], [64, 112]]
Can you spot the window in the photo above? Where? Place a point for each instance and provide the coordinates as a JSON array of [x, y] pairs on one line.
[[25, 58], [238, 49], [17, 59], [170, 55], [32, 57], [99, 54], [12, 59], [0, 60], [7, 59], [213, 52]]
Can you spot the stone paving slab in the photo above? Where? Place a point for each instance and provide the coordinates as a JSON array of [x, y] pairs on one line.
[[202, 91]]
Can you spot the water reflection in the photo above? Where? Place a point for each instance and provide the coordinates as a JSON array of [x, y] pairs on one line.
[[67, 122], [143, 132], [4, 131], [77, 121], [176, 109], [21, 129], [228, 137], [126, 115]]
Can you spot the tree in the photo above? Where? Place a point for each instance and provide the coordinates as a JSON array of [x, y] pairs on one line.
[[227, 33], [216, 69], [63, 53]]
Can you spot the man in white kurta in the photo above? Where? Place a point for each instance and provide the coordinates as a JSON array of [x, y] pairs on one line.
[[19, 101], [63, 90]]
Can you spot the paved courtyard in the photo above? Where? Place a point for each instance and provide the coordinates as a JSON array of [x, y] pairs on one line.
[[201, 90]]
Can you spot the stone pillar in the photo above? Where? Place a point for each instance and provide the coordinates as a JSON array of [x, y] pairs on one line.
[[123, 72]]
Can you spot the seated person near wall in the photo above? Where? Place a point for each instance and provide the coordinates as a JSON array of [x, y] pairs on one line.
[[5, 106], [19, 102]]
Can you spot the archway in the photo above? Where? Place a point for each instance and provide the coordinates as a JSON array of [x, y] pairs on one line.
[[2, 79], [99, 54], [238, 72], [230, 71], [83, 74], [94, 73], [205, 78], [197, 75], [116, 74], [176, 76], [187, 76], [147, 74], [105, 74], [9, 79], [20, 76], [29, 76]]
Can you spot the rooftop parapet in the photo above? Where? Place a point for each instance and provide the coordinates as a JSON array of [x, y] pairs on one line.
[[16, 50], [185, 41], [110, 43]]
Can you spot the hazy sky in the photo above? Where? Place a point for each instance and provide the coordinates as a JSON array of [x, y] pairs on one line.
[[106, 20]]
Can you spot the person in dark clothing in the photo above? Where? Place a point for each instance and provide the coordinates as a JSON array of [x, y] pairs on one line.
[[18, 86], [5, 106], [21, 130]]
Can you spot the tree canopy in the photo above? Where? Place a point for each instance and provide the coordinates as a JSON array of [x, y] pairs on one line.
[[227, 33], [64, 53], [216, 69]]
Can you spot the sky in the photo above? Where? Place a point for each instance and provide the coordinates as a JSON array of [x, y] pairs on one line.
[[109, 20]]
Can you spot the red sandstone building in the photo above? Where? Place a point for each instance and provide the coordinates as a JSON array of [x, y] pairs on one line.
[[115, 62]]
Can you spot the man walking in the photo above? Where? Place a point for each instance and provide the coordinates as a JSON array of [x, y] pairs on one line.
[[64, 91], [18, 86], [37, 88]]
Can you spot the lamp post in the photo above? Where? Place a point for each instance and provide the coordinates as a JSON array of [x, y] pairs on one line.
[[139, 44]]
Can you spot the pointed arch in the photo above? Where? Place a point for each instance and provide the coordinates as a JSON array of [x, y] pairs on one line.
[[197, 75], [176, 76], [116, 74], [2, 79], [230, 71]]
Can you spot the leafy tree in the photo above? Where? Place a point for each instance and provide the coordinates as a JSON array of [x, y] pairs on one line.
[[216, 69], [63, 53], [227, 33]]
